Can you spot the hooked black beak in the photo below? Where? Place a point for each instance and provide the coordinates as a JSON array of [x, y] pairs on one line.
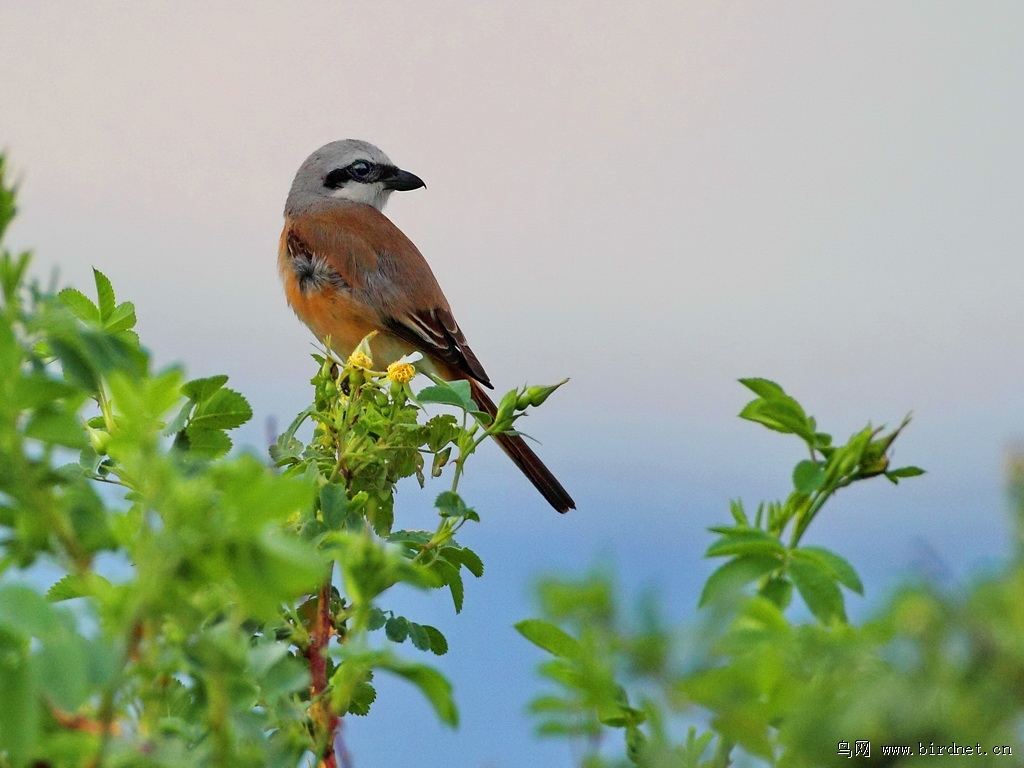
[[402, 181]]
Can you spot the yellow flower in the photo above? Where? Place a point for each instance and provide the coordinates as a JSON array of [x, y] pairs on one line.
[[359, 360], [403, 373]]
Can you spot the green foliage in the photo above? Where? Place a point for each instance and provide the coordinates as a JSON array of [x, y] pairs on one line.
[[930, 670], [767, 550], [210, 610]]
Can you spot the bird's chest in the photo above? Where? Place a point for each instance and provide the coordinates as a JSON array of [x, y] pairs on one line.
[[324, 301]]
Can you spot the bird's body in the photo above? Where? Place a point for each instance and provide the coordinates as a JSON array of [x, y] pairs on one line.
[[355, 241], [349, 271]]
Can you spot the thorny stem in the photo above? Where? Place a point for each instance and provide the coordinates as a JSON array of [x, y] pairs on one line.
[[326, 723]]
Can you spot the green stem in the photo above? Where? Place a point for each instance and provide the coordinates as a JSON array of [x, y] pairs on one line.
[[105, 407], [802, 523]]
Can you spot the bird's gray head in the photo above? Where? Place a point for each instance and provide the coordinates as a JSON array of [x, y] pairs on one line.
[[350, 170]]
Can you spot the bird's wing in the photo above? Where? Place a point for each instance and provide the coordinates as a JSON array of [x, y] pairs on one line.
[[384, 273]]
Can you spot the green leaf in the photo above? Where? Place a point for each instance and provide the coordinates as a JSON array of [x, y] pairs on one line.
[[201, 389], [433, 685], [896, 474], [397, 629], [763, 388], [36, 390], [736, 510], [450, 504], [354, 670], [616, 712], [376, 619], [273, 569], [463, 389], [575, 730], [72, 586], [68, 588], [57, 428], [118, 352], [146, 399], [808, 476], [79, 304], [19, 707], [11, 354], [748, 542], [12, 270], [334, 505], [839, 567], [26, 612], [224, 409], [453, 579], [175, 425], [282, 677], [105, 293], [418, 636], [443, 395], [129, 337], [819, 590], [438, 642], [415, 540], [777, 410], [363, 695], [542, 704], [370, 568], [784, 416], [380, 511], [76, 366], [779, 590], [208, 443], [90, 521], [565, 672], [907, 472], [63, 670], [443, 429], [465, 557], [551, 638], [286, 451], [121, 319], [735, 574], [254, 496]]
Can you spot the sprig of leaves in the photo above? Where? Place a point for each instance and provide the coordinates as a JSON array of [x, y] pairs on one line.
[[749, 667], [759, 550]]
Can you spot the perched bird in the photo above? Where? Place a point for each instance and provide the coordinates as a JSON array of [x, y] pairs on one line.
[[347, 271]]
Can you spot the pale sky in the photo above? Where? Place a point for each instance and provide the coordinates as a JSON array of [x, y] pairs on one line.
[[651, 198]]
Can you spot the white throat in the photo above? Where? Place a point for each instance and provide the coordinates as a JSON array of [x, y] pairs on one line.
[[375, 194]]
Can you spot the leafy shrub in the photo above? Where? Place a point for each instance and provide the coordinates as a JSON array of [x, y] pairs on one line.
[[208, 609], [932, 674]]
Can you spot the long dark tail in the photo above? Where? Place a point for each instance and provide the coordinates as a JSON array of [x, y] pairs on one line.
[[526, 459]]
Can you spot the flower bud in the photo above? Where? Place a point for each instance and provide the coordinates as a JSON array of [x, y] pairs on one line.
[[536, 395], [99, 439]]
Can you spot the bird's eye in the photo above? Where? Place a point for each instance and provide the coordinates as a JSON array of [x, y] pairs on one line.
[[360, 169]]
